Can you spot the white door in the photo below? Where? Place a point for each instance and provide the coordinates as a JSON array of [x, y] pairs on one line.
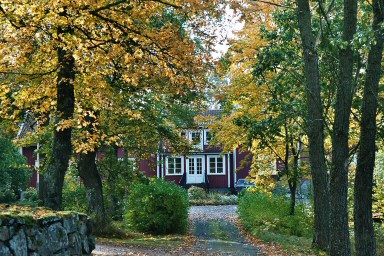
[[195, 171]]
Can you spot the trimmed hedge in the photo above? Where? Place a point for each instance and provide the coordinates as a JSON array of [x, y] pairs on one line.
[[160, 207]]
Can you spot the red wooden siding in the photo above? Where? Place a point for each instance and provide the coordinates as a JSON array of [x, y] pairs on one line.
[[149, 167], [29, 153], [243, 159]]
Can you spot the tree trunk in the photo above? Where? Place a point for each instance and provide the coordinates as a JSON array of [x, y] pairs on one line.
[[93, 186], [364, 231], [51, 192], [292, 189], [315, 131], [294, 180], [339, 228]]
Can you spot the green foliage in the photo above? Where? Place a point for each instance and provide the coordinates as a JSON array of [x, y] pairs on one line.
[[159, 207], [379, 233], [260, 212], [30, 194], [7, 196], [14, 172], [74, 195], [118, 177], [378, 195], [198, 196], [196, 193]]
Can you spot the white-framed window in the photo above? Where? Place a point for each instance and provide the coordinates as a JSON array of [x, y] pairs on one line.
[[195, 137], [131, 163], [216, 165], [207, 137], [174, 165]]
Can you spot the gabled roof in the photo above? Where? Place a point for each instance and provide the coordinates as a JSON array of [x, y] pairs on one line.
[[27, 127]]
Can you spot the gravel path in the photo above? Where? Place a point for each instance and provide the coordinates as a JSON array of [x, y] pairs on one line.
[[215, 231]]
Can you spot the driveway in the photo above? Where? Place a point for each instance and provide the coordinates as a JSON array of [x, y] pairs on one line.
[[214, 229]]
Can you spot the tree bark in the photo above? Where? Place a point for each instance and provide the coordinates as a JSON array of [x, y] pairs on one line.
[[292, 189], [295, 179], [315, 122], [51, 192], [93, 186], [364, 231], [339, 228]]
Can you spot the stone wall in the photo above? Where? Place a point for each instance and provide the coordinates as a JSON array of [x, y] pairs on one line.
[[63, 233]]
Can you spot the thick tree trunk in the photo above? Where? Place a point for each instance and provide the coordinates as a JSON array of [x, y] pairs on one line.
[[51, 192], [339, 228], [364, 231], [93, 186], [315, 132]]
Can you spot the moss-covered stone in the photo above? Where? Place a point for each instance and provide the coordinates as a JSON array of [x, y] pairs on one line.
[[40, 231]]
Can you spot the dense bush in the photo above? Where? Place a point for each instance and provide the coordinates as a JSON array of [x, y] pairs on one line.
[[30, 194], [196, 193], [7, 196], [118, 175], [74, 196], [198, 196], [14, 172], [260, 212], [159, 207]]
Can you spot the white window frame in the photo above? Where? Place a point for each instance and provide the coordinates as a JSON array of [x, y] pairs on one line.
[[209, 165], [199, 144], [174, 159], [130, 159], [206, 142], [183, 134], [133, 160]]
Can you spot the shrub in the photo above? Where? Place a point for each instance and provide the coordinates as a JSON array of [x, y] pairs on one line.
[[196, 193], [7, 196], [159, 207], [118, 177], [219, 199], [74, 195], [14, 172], [30, 194], [260, 212]]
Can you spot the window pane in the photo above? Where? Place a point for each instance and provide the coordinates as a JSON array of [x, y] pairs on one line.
[[208, 137], [191, 166], [178, 165], [195, 137], [220, 168], [199, 165], [212, 165], [171, 165]]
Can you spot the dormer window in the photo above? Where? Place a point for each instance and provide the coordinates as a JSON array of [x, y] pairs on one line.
[[195, 137], [207, 137]]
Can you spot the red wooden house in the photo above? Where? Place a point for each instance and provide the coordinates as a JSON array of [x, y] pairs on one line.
[[206, 165]]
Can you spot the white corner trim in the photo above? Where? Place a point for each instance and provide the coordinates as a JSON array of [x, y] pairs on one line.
[[234, 165], [228, 172]]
